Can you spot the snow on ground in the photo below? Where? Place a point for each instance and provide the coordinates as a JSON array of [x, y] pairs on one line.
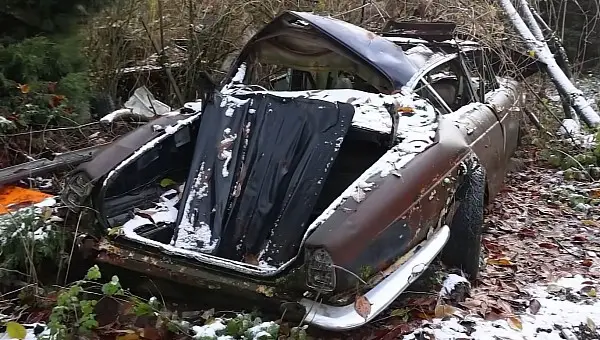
[[589, 85], [557, 314], [34, 331]]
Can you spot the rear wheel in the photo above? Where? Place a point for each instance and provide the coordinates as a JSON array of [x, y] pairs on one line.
[[463, 249]]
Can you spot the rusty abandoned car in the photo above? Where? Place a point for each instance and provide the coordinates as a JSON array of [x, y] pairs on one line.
[[332, 163]]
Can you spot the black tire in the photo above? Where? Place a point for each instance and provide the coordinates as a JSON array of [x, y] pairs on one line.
[[463, 249]]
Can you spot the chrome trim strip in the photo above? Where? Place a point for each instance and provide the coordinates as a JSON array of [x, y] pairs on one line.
[[383, 294]]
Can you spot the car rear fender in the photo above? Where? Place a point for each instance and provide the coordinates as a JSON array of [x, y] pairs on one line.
[[370, 230], [112, 155]]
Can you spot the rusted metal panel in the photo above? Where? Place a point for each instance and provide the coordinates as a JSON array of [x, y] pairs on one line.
[[357, 43], [401, 207], [169, 268]]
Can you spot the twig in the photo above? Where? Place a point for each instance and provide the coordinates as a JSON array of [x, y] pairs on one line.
[[534, 119], [549, 111], [565, 248], [164, 65], [73, 246], [576, 161], [50, 130], [351, 273]]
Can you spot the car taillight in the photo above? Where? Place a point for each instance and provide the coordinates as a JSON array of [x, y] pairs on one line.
[[76, 190], [320, 271]]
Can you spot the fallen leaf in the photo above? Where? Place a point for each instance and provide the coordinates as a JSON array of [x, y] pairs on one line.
[[151, 333], [580, 238], [591, 223], [587, 262], [515, 323], [55, 100], [554, 288], [505, 306], [128, 336], [591, 325], [500, 262], [443, 310], [592, 292], [421, 316], [251, 259], [547, 245], [405, 109], [491, 316], [362, 306], [15, 330], [534, 306], [24, 88], [594, 193], [165, 182], [527, 232]]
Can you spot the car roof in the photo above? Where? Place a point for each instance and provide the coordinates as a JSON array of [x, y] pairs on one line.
[[378, 51], [374, 51]]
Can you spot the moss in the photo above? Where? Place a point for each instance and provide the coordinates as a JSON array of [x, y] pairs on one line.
[[366, 272]]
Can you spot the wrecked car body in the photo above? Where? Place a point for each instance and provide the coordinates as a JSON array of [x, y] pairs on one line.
[[332, 162]]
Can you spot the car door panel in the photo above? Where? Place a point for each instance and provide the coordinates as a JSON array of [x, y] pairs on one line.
[[506, 105], [477, 121]]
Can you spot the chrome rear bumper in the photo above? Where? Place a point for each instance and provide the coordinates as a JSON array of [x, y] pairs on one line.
[[339, 318]]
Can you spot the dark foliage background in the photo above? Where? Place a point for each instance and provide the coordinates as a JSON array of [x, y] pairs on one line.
[[43, 74]]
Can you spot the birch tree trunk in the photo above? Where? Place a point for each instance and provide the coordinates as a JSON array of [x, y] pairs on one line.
[[529, 19], [533, 22], [561, 81]]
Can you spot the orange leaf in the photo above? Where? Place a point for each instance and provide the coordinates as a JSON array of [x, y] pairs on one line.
[[13, 197], [594, 193], [362, 306], [405, 109], [587, 263], [24, 88], [128, 336], [500, 262], [56, 99]]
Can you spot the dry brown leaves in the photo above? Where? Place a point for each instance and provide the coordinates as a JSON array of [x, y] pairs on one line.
[[530, 239]]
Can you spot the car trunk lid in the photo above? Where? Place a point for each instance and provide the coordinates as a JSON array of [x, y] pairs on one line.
[[259, 165]]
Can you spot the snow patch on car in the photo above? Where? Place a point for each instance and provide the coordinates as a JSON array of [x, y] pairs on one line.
[[370, 109], [190, 236], [416, 130], [163, 212]]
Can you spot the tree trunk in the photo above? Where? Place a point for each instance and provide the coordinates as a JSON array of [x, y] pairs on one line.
[[556, 45], [530, 20], [561, 81]]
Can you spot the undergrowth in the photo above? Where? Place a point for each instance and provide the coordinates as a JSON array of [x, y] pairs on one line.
[[43, 83], [89, 308], [30, 242]]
